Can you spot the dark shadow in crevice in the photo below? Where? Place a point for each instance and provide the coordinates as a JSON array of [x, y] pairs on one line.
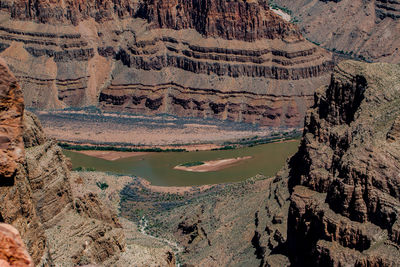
[[7, 181]]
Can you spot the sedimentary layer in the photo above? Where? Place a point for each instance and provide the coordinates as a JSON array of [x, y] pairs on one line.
[[336, 25], [345, 177], [58, 227], [336, 203], [233, 60]]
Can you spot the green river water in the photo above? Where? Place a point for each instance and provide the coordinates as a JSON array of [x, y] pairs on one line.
[[158, 167]]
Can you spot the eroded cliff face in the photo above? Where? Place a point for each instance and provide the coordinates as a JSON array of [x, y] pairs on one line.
[[232, 60], [58, 227], [240, 20], [336, 25], [17, 206], [345, 178], [11, 106]]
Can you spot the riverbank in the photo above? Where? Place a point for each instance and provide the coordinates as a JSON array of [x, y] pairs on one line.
[[94, 127], [109, 152]]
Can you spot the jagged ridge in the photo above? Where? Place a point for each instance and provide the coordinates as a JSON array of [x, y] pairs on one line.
[[345, 182]]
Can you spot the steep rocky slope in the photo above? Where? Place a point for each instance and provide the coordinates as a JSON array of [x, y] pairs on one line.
[[234, 60], [12, 106], [370, 29], [239, 224], [345, 178], [17, 206], [57, 226]]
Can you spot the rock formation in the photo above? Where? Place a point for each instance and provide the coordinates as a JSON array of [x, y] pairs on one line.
[[238, 20], [17, 206], [234, 60], [11, 106], [57, 226], [336, 203], [345, 177], [336, 26], [12, 248], [240, 224]]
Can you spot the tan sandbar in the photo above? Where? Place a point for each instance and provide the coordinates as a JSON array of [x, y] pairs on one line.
[[213, 165]]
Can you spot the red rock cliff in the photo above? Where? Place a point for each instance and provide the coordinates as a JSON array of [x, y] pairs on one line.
[[11, 106], [242, 20]]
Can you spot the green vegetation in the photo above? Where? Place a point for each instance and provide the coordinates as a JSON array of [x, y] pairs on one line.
[[351, 55], [275, 137], [191, 164], [102, 186], [82, 169], [113, 148], [225, 148], [276, 6]]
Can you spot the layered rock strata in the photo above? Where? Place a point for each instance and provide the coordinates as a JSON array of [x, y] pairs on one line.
[[57, 226], [345, 178], [239, 20], [232, 60], [336, 203], [336, 26]]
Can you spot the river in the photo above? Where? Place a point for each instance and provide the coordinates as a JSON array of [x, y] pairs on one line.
[[157, 168]]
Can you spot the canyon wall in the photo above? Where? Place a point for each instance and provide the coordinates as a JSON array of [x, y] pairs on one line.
[[57, 226], [365, 29], [335, 203], [344, 179], [234, 60]]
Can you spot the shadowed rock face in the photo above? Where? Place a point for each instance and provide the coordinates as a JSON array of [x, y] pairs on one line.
[[230, 60], [345, 178]]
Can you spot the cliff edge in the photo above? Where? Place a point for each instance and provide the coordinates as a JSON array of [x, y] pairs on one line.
[[345, 177], [58, 227]]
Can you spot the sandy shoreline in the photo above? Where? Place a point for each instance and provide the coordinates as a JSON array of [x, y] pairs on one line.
[[110, 155], [212, 165]]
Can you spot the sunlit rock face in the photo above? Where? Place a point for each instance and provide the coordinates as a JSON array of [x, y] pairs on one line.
[[229, 60], [37, 199]]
